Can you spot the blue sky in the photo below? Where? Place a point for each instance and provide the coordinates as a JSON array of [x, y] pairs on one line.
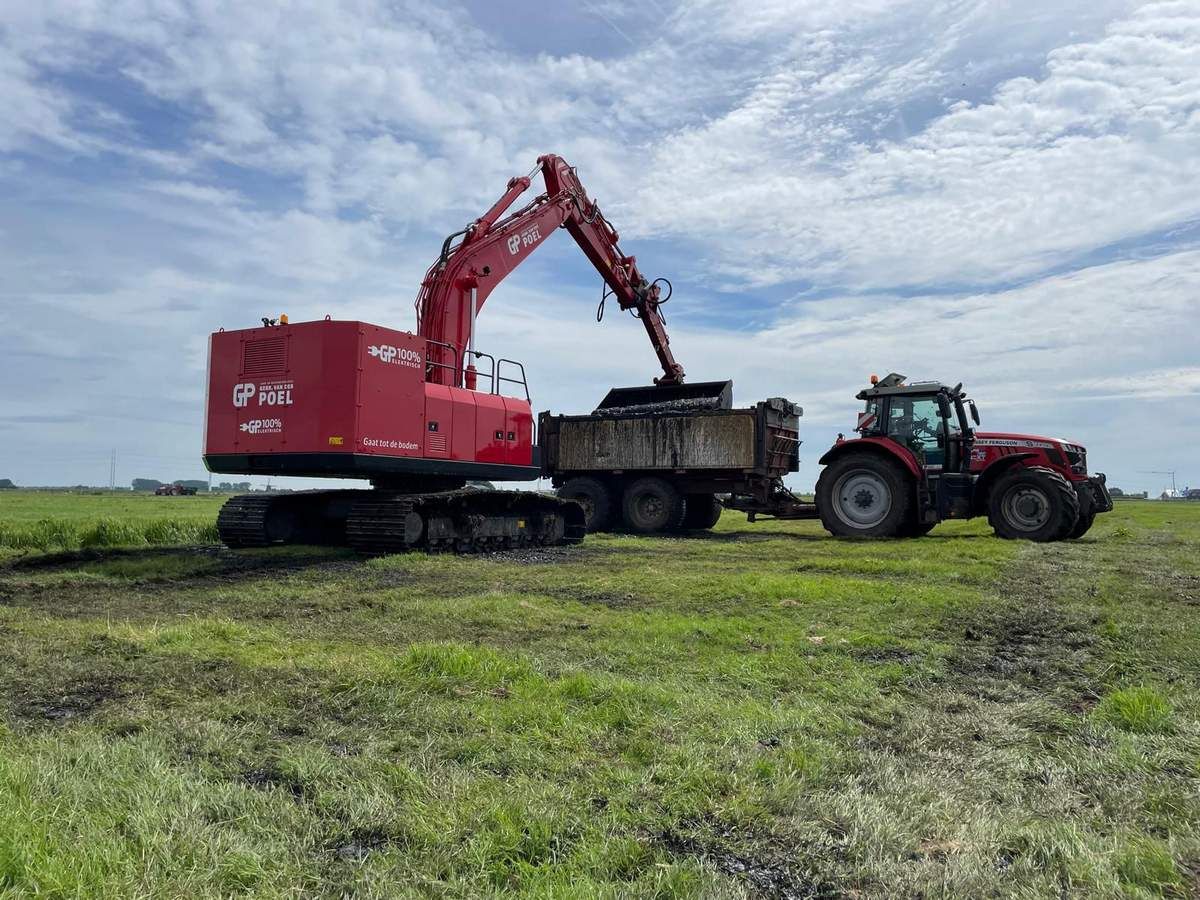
[[1006, 194]]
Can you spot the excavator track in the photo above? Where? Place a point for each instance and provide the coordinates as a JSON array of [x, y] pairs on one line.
[[380, 521], [383, 523], [242, 521]]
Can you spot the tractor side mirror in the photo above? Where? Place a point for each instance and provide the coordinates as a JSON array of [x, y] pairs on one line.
[[943, 406], [974, 411]]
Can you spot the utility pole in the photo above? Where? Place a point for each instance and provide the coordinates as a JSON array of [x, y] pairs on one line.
[[112, 470], [1170, 472]]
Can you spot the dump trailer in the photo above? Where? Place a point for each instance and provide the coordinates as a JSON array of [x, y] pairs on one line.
[[657, 459]]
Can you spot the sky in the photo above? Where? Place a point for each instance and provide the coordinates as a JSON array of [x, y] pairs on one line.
[[1005, 194]]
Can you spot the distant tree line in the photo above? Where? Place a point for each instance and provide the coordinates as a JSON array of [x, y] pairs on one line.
[[6, 484]]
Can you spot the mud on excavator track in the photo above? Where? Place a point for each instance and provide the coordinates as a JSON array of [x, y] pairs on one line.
[[380, 521]]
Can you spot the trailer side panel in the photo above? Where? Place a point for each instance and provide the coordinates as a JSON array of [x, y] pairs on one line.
[[723, 441]]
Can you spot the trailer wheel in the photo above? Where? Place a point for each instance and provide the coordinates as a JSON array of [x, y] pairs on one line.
[[1033, 503], [864, 495], [651, 505], [703, 511], [595, 498]]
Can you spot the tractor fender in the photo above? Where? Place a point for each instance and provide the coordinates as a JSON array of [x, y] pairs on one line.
[[989, 476], [882, 446]]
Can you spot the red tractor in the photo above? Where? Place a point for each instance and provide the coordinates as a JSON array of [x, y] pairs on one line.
[[174, 490], [919, 459]]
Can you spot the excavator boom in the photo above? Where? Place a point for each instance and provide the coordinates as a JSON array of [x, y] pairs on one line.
[[475, 260]]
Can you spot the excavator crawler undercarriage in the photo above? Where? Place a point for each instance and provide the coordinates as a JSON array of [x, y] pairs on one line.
[[382, 521]]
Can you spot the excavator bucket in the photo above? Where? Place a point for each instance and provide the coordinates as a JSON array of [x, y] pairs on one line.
[[667, 398]]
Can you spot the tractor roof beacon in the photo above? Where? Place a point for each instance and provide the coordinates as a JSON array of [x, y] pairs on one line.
[[921, 458]]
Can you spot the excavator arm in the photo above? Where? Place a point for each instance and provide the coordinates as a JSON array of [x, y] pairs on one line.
[[475, 260]]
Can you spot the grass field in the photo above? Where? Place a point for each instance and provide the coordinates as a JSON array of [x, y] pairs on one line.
[[50, 520], [760, 712]]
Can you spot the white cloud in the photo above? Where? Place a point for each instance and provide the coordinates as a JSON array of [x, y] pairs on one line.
[[1155, 384], [1095, 150]]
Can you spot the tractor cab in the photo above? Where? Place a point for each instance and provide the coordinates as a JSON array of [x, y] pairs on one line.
[[936, 424]]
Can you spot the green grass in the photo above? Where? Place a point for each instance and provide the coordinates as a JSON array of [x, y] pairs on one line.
[[1141, 709], [54, 520], [763, 712]]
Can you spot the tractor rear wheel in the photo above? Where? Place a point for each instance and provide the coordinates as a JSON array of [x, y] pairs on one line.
[[595, 498], [864, 495], [916, 529], [1033, 503], [651, 505], [703, 511]]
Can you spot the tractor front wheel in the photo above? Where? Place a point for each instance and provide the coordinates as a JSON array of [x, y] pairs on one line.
[[1082, 525], [864, 495], [1087, 515], [1033, 503]]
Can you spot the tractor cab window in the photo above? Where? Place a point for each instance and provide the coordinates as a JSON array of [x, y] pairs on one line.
[[916, 422], [868, 419]]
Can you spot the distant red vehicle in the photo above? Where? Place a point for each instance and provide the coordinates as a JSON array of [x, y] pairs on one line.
[[173, 490]]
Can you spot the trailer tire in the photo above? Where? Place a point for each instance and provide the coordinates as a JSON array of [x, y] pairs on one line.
[[1033, 503], [702, 513], [864, 495], [651, 505], [595, 498]]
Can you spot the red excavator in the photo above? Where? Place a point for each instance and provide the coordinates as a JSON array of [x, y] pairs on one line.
[[418, 414]]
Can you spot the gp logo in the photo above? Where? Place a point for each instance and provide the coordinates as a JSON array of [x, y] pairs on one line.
[[242, 394], [275, 394], [526, 238], [399, 356]]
